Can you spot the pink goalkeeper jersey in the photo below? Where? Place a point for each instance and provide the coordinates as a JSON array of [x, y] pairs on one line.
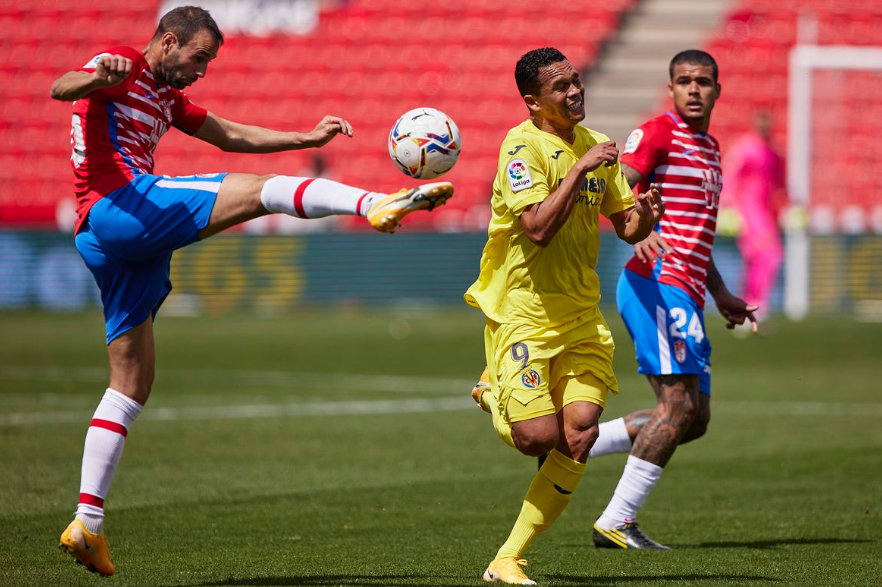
[[114, 131], [686, 165]]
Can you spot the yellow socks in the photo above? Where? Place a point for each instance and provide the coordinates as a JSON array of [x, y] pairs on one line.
[[548, 496]]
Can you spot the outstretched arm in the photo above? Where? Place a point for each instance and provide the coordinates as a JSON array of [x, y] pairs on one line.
[[734, 309], [110, 70], [235, 137]]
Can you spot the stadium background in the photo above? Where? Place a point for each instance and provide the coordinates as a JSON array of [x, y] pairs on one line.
[[287, 63]]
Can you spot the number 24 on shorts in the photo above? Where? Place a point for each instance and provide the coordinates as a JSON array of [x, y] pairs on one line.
[[679, 317]]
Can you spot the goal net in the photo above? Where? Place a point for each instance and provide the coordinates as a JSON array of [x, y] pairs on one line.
[[833, 259]]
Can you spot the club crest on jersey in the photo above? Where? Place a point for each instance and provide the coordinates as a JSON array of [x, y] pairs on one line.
[[166, 106], [159, 129], [530, 378], [519, 175], [712, 184], [680, 350], [633, 141]]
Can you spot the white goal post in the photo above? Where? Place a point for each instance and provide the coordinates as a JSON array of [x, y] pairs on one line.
[[804, 60]]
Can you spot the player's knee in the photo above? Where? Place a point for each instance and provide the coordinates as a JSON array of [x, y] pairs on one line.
[[680, 408], [690, 408], [687, 411], [243, 186], [535, 446], [259, 182], [534, 438]]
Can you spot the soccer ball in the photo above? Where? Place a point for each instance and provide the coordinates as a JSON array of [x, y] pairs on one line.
[[424, 143]]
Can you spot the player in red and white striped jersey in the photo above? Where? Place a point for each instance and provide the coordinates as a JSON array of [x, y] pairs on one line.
[[130, 221], [686, 165], [662, 290]]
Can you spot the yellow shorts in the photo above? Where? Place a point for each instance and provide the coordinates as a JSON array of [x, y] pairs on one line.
[[536, 371]]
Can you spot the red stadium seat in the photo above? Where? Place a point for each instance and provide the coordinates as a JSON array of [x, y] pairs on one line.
[[367, 60], [752, 47]]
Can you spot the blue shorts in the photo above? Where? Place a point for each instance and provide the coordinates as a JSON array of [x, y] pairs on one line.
[[667, 327], [128, 238]]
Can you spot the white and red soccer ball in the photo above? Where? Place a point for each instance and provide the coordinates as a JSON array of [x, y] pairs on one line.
[[424, 143]]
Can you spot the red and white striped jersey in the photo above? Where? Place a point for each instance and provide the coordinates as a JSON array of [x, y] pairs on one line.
[[686, 166], [114, 131]]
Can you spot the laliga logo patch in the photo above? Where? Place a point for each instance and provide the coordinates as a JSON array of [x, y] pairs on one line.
[[633, 141], [93, 63], [517, 170], [680, 350], [531, 379], [519, 175]]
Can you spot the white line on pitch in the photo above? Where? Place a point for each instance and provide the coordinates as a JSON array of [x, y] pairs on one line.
[[292, 379], [409, 406], [354, 408]]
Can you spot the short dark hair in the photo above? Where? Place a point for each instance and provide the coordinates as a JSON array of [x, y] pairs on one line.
[[695, 57], [185, 22], [527, 69]]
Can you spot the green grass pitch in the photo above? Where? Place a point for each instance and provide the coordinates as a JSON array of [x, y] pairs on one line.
[[340, 448]]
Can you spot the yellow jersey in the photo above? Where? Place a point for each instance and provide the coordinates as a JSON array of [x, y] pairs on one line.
[[521, 282]]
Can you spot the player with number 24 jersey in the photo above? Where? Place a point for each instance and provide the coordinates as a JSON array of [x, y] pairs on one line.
[[686, 165]]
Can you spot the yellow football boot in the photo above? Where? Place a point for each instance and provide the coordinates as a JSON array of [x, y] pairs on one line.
[[507, 570], [89, 550], [386, 214]]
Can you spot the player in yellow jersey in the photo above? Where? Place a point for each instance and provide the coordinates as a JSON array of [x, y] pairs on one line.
[[549, 351]]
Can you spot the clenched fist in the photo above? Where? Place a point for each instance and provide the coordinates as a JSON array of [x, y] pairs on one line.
[[599, 154], [111, 70]]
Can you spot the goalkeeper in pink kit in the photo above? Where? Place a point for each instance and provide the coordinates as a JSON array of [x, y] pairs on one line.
[[754, 176]]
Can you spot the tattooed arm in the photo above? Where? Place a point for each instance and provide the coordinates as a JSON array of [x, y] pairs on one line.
[[632, 176]]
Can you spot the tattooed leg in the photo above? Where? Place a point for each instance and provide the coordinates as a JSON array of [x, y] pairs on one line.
[[635, 421], [678, 405], [699, 424]]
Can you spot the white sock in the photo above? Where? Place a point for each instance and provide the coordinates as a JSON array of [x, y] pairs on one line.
[[103, 448], [93, 523], [303, 197], [613, 438], [637, 481]]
